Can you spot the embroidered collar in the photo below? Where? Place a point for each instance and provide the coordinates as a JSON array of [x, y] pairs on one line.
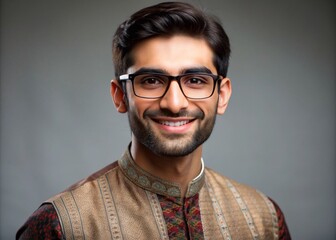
[[155, 184]]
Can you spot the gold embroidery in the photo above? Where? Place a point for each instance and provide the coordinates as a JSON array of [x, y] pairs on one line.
[[244, 210], [274, 215], [155, 184], [219, 214], [74, 216], [110, 208], [157, 212], [65, 222]]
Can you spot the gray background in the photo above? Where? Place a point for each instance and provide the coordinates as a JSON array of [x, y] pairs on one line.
[[58, 123]]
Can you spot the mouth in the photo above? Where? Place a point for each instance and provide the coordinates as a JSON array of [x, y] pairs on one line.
[[174, 123], [175, 126]]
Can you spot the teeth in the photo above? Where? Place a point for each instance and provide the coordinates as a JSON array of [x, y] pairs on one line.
[[174, 124]]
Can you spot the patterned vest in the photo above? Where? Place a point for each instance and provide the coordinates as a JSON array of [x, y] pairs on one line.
[[121, 201]]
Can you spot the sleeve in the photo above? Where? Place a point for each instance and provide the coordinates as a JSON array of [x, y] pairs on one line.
[[42, 224], [282, 225]]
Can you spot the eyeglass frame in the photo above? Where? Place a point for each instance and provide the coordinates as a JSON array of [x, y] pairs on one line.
[[132, 76]]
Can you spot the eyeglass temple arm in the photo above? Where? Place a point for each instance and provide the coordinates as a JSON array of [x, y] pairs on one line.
[[124, 77]]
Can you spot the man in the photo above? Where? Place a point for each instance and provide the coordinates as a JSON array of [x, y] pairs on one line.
[[171, 63]]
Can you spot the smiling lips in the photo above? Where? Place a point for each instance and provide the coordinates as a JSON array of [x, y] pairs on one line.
[[174, 124]]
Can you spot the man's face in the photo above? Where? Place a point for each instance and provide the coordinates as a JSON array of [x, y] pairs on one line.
[[172, 125]]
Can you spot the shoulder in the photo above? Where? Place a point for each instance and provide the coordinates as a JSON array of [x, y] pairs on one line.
[[42, 224], [251, 196], [222, 182], [102, 172], [88, 183], [237, 192]]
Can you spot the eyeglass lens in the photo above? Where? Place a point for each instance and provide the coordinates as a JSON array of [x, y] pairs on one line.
[[156, 85]]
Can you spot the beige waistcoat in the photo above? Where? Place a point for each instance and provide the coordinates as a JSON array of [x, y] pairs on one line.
[[120, 202]]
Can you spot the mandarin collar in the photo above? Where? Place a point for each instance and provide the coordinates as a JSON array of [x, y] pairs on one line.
[[154, 184]]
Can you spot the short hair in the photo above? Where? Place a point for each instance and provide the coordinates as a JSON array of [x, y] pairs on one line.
[[168, 19]]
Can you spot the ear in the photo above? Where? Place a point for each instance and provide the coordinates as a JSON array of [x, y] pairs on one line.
[[118, 96], [224, 95]]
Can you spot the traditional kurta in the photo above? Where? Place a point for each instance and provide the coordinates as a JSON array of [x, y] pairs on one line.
[[122, 201]]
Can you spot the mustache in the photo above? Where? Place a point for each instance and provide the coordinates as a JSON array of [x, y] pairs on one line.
[[166, 113]]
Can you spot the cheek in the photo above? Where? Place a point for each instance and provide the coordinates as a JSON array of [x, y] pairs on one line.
[[209, 108], [131, 99], [138, 106]]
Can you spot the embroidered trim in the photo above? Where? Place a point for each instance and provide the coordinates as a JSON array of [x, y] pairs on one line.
[[74, 215], [65, 221], [110, 208], [244, 210], [157, 212], [219, 214], [155, 184], [273, 214]]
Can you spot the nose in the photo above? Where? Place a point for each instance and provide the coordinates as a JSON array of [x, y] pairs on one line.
[[174, 99]]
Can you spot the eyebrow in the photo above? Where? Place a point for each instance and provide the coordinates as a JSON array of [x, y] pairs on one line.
[[183, 71], [196, 70]]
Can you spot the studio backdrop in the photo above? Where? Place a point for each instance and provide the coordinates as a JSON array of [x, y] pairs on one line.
[[58, 123]]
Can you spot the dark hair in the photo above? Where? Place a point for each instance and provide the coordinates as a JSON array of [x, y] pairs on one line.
[[168, 19]]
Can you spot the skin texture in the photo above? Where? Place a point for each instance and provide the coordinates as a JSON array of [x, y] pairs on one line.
[[168, 151]]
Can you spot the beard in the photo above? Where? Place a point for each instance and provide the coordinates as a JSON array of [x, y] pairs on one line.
[[171, 145]]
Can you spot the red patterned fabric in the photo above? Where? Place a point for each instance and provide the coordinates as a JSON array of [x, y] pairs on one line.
[[183, 219], [193, 217], [42, 224]]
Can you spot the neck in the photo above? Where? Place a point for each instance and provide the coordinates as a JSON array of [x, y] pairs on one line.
[[180, 170]]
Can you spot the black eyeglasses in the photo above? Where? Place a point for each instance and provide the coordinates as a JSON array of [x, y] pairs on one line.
[[154, 85]]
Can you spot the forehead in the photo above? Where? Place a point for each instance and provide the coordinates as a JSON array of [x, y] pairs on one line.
[[172, 54]]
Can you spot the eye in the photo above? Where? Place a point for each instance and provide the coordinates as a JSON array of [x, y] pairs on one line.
[[196, 81], [150, 81]]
